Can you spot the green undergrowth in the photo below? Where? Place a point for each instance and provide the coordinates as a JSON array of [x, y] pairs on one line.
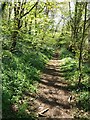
[[65, 53], [20, 73], [69, 68]]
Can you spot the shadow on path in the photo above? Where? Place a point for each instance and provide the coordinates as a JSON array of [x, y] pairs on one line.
[[53, 93]]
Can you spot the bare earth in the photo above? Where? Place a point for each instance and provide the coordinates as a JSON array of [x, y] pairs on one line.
[[52, 98]]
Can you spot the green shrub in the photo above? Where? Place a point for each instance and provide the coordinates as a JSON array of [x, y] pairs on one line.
[[20, 73], [84, 100], [65, 53]]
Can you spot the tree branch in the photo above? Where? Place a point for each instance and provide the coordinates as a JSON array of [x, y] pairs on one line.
[[30, 9]]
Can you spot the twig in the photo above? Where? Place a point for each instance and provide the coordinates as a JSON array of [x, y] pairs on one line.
[[42, 112]]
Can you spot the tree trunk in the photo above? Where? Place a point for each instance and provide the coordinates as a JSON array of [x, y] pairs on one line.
[[81, 46], [14, 34], [36, 20], [17, 24]]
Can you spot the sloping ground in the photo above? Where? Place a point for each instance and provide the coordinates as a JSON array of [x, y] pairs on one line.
[[53, 99]]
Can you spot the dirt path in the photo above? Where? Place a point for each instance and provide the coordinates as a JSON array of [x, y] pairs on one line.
[[52, 95]]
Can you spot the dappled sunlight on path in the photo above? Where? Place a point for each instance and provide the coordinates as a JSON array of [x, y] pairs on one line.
[[53, 94]]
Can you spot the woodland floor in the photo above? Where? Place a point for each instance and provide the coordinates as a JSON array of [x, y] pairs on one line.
[[53, 97]]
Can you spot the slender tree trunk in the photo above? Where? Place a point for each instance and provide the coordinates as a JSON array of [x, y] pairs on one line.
[[81, 46], [10, 10], [75, 22], [70, 19], [14, 34], [17, 24], [89, 33], [36, 20]]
